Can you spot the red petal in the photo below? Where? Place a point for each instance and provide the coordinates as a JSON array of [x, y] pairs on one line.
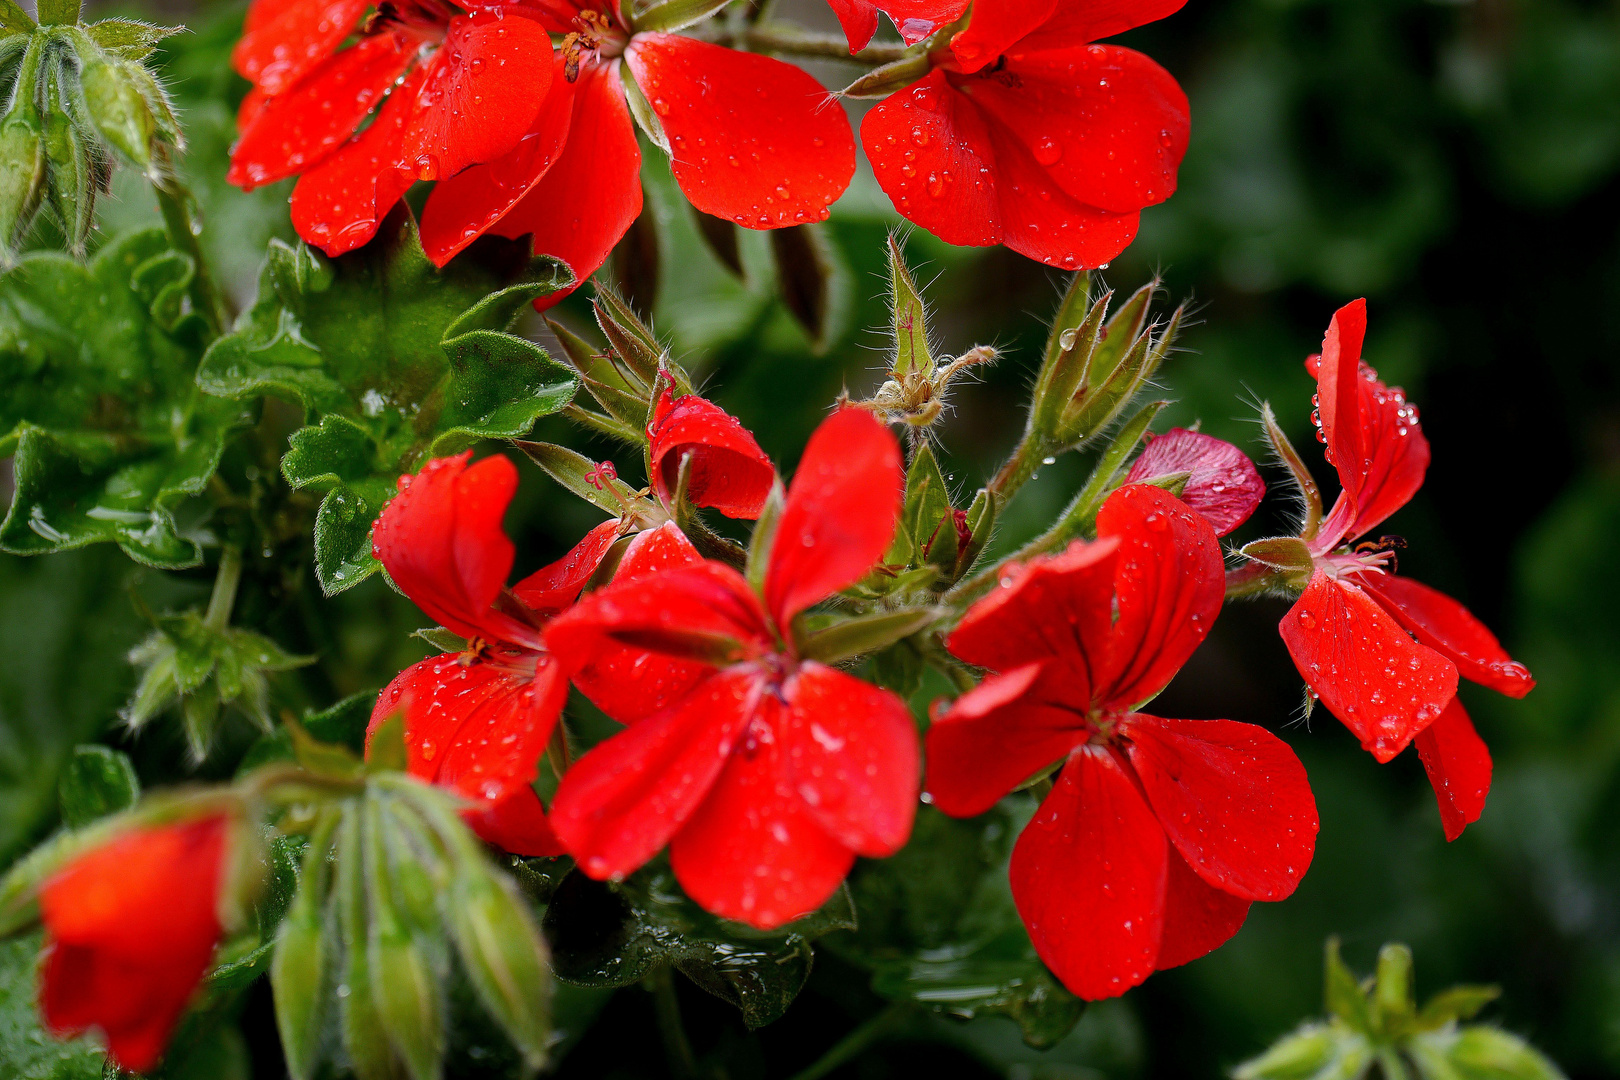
[[840, 514], [1451, 630], [859, 18], [1459, 767], [1106, 125], [999, 734], [1088, 876], [995, 27], [553, 588], [441, 541], [1224, 486], [282, 46], [621, 802], [1381, 684], [850, 750], [915, 19], [1233, 799], [1074, 23], [1170, 580], [485, 89], [516, 824], [338, 204], [1372, 433], [663, 548], [297, 130], [465, 206], [588, 199], [1052, 606], [1198, 918], [729, 471], [753, 851], [752, 139]]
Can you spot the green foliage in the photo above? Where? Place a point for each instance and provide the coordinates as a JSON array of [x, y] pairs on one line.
[[617, 933], [394, 362], [97, 781], [938, 927], [109, 432], [27, 1051]]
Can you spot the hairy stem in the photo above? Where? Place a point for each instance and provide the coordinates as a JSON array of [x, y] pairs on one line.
[[226, 579], [775, 37]]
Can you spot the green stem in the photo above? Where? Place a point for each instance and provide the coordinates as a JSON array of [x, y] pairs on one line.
[[856, 1042], [1018, 470], [1253, 579], [776, 37], [226, 579], [174, 200], [682, 1061]]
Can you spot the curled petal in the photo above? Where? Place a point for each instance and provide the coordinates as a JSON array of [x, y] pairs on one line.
[[840, 514], [1371, 432], [295, 131], [484, 89], [553, 588], [1001, 733], [1224, 485], [1088, 877], [1459, 768], [915, 19], [728, 470], [752, 139], [1233, 799], [465, 206], [338, 205], [1051, 607], [1198, 918], [442, 542], [283, 44], [1169, 578], [753, 851], [663, 548], [621, 802], [850, 749], [1381, 684], [585, 203], [1451, 630]]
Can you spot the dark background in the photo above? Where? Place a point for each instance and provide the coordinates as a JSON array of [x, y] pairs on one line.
[[1456, 163]]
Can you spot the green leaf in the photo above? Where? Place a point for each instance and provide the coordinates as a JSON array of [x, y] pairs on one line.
[[672, 15], [1314, 1052], [59, 11], [98, 781], [109, 432], [938, 926], [341, 726], [13, 19], [616, 933], [26, 1050], [395, 362]]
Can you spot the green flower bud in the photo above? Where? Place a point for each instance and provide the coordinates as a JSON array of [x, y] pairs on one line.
[[119, 110], [22, 174]]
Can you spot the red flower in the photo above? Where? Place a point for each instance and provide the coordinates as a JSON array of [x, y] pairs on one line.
[[130, 929], [476, 722], [1224, 486], [915, 19], [728, 470], [1032, 138], [1351, 632], [751, 139], [1158, 833], [768, 773]]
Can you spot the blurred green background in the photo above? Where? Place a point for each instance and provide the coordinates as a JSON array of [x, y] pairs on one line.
[[1457, 163]]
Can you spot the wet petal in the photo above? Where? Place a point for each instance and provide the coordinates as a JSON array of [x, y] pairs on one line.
[[1381, 684], [553, 588], [1088, 876], [753, 851], [1224, 485], [752, 139], [840, 515], [285, 41], [1053, 606], [1198, 918], [1169, 578], [621, 802], [1001, 733], [915, 19], [1079, 22], [728, 470], [1233, 799], [1459, 768], [996, 26], [850, 750], [516, 824], [1451, 630]]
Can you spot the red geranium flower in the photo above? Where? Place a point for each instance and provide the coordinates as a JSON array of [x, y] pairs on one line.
[[130, 929], [1224, 485], [476, 722], [1158, 833], [915, 19], [750, 138], [728, 470], [769, 773], [1031, 137], [1351, 632]]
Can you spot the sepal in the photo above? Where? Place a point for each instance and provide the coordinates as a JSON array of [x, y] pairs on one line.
[[889, 78], [864, 634]]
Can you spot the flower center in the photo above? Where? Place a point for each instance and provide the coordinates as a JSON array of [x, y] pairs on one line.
[[594, 38], [1370, 557]]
